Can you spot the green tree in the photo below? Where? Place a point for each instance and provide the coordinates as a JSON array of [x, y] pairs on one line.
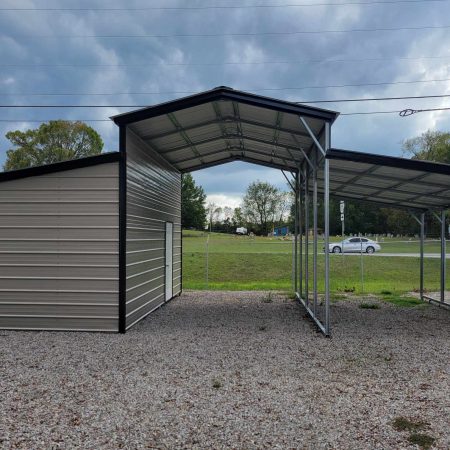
[[57, 140], [193, 211], [238, 218], [261, 205], [431, 146]]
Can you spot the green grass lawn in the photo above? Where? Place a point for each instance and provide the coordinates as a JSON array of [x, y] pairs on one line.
[[243, 263]]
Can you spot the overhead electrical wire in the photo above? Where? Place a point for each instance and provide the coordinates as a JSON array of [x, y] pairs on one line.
[[222, 7], [237, 34], [298, 88], [346, 100], [402, 113], [225, 63]]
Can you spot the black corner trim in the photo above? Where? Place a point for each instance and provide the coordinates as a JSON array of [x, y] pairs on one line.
[[103, 158], [390, 161], [122, 230]]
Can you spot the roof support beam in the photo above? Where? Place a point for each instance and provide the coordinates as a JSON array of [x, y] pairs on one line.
[[358, 177], [227, 136], [222, 127], [237, 149], [183, 134], [234, 119], [376, 202], [412, 180], [385, 177], [312, 135], [234, 158], [238, 121]]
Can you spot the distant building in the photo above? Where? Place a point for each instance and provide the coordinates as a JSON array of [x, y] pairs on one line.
[[281, 231]]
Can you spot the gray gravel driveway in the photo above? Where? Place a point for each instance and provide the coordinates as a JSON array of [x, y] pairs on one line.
[[216, 370]]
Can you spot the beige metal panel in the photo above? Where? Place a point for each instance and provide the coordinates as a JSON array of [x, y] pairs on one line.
[[60, 298], [23, 310], [22, 283], [144, 255], [54, 245], [40, 195], [59, 250], [64, 259], [153, 198], [148, 305], [75, 323], [45, 182], [147, 288], [61, 207], [57, 270], [58, 232], [73, 220]]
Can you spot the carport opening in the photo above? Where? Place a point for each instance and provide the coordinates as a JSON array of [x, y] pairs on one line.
[[247, 249], [223, 125]]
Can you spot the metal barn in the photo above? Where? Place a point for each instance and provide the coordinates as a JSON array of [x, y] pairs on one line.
[[95, 244]]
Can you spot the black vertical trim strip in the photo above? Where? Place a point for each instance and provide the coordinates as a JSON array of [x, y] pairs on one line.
[[122, 229]]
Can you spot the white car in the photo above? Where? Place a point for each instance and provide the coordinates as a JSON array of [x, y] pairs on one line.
[[241, 230], [355, 245]]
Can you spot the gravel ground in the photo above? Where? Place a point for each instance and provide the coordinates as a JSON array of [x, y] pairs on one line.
[[229, 370]]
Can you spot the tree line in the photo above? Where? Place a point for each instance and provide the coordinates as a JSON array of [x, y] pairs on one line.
[[264, 206]]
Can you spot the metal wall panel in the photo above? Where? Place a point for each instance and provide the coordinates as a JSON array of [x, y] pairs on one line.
[[153, 198], [59, 250]]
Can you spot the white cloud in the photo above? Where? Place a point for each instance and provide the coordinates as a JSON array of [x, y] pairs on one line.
[[222, 200]]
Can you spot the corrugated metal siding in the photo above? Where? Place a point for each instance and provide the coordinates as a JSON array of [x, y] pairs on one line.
[[153, 198], [59, 250]]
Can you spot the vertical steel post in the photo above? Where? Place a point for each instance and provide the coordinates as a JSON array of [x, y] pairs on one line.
[[316, 159], [295, 268], [443, 256], [422, 241], [307, 236], [326, 205], [300, 232]]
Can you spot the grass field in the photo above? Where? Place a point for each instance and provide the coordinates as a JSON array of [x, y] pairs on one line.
[[243, 263]]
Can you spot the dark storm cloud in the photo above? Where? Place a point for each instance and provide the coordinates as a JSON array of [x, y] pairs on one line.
[[148, 70]]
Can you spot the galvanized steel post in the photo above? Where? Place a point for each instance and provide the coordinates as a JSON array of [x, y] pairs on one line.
[[316, 159], [326, 202], [443, 262], [422, 240], [300, 230], [306, 237], [295, 268]]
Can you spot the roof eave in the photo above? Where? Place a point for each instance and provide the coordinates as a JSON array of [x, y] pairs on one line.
[[224, 93], [79, 163], [390, 161]]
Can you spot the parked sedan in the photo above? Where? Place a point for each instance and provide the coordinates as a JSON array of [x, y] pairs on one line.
[[355, 245]]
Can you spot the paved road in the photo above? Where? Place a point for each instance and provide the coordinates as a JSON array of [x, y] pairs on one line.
[[407, 255]]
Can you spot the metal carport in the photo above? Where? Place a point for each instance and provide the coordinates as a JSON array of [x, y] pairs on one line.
[[95, 244], [224, 125]]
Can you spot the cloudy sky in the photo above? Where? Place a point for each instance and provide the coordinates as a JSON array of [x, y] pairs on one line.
[[94, 52]]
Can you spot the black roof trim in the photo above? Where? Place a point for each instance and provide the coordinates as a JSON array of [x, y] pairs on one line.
[[390, 161], [224, 93], [60, 166]]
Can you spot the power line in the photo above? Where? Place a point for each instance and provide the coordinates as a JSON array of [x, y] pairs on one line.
[[224, 7], [363, 113], [395, 112], [347, 100], [43, 121], [225, 63], [242, 34], [298, 88]]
